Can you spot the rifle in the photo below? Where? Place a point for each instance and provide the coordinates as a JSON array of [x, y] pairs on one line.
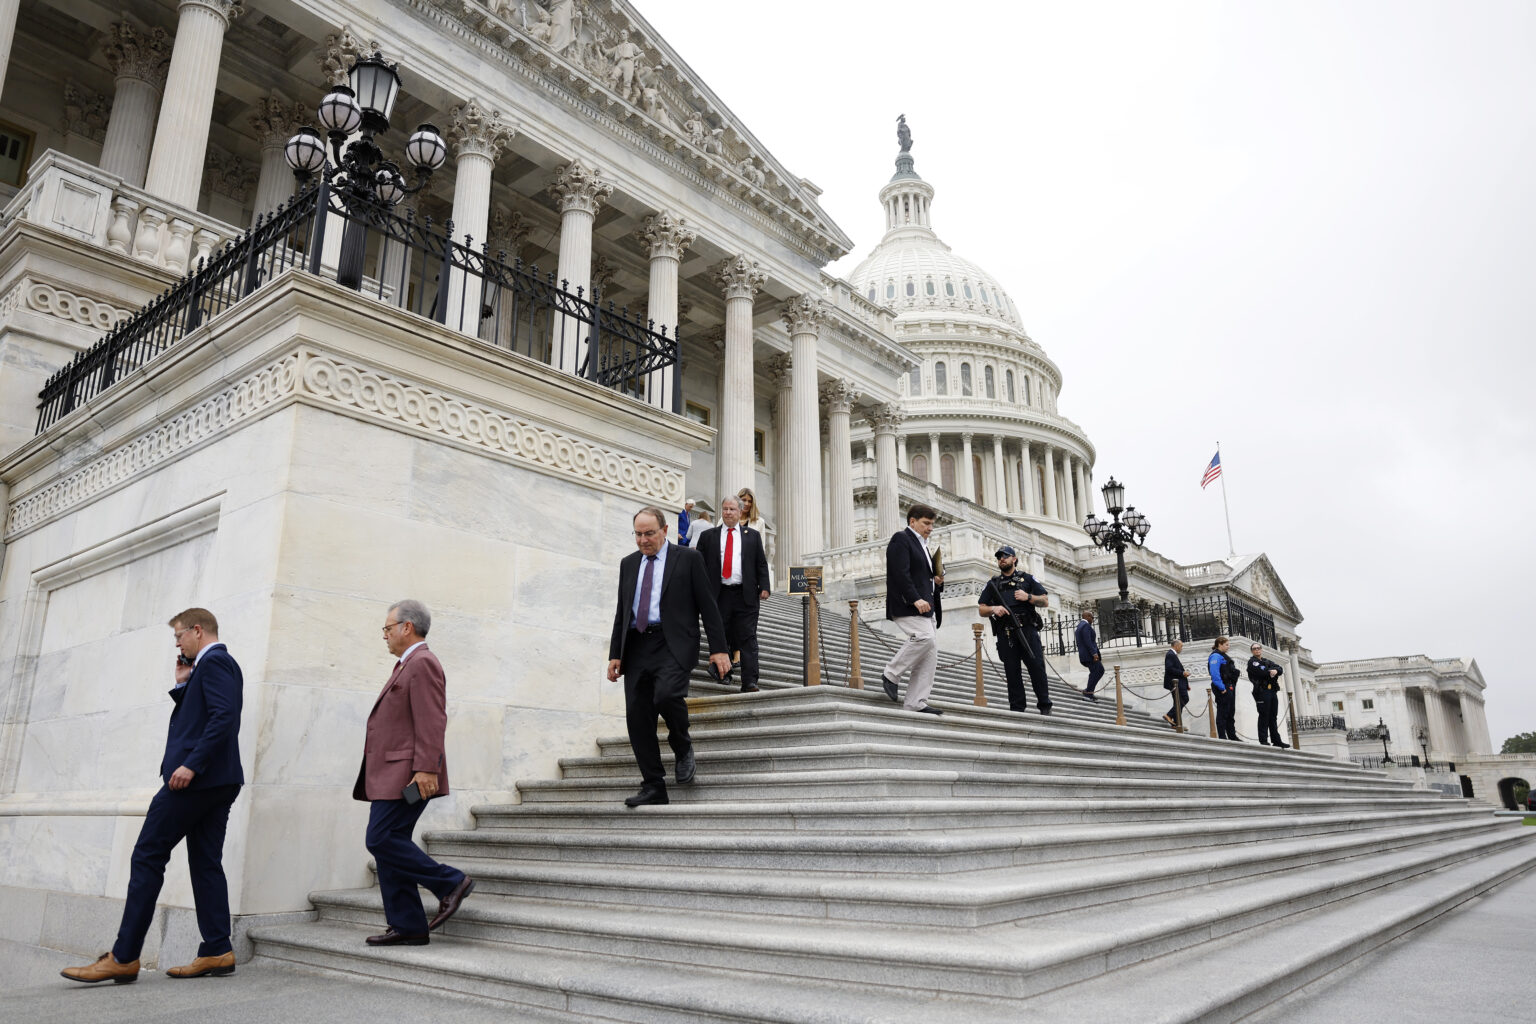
[[1013, 615]]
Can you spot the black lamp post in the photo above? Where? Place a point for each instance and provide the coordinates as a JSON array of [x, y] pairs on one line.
[[365, 181], [1386, 734], [1130, 528]]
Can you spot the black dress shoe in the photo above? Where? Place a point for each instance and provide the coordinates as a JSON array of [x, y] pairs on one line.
[[748, 687], [394, 938], [1045, 711], [889, 687], [1090, 696], [929, 709], [1283, 746], [450, 903], [647, 795], [685, 769]]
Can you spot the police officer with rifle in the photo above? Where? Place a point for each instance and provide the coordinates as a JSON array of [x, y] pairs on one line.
[[1008, 601]]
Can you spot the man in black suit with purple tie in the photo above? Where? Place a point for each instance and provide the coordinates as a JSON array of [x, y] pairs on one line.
[[664, 592]]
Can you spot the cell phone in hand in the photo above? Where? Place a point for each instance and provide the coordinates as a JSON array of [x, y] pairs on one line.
[[183, 661], [411, 794]]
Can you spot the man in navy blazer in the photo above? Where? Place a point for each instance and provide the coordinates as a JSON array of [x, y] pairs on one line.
[[1088, 652], [664, 592], [909, 601], [201, 771]]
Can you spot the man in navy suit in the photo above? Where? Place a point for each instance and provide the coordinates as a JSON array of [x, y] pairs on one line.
[[1088, 652], [909, 581], [737, 568], [1175, 680], [655, 645], [201, 771]]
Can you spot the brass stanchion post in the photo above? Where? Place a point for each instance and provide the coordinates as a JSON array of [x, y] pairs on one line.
[[812, 642], [1290, 702], [981, 690], [855, 674], [1210, 712], [1119, 699]]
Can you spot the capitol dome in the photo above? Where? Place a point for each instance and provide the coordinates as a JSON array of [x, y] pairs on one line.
[[979, 411]]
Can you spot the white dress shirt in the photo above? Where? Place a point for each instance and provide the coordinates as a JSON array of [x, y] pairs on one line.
[[924, 542], [730, 575]]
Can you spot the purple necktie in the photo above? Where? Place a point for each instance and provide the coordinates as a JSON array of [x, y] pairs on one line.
[[643, 613]]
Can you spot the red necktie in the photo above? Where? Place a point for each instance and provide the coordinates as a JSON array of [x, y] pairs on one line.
[[730, 546]]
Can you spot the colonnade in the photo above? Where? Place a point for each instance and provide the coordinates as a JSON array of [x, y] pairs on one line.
[[1018, 476]]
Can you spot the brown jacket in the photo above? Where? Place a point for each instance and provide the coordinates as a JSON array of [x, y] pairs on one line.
[[405, 730]]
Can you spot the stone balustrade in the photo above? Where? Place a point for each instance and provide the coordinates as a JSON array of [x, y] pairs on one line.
[[91, 205]]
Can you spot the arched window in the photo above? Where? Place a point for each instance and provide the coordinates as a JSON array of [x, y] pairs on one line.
[[1026, 390], [928, 287], [1008, 380], [920, 467], [947, 471], [965, 379], [949, 288], [915, 385], [871, 293], [911, 289], [940, 379], [968, 289], [991, 380], [890, 289], [984, 294]]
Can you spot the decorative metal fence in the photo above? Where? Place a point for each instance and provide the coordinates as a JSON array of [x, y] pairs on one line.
[[417, 266], [1200, 618]]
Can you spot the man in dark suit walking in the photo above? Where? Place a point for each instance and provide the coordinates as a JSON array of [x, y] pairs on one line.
[[403, 748], [1088, 652], [655, 645], [202, 775], [1176, 680], [737, 568], [909, 597]]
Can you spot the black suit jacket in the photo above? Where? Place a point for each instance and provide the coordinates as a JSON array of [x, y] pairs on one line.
[[1173, 670], [754, 562], [908, 575], [204, 733], [686, 598]]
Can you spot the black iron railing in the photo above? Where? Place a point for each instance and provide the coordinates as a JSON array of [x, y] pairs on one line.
[[417, 266], [1200, 618]]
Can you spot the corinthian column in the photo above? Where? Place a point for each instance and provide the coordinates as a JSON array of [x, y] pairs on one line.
[[781, 375], [935, 471], [1048, 463], [885, 420], [1027, 485], [965, 477], [1068, 474], [665, 237], [181, 136], [999, 475], [139, 61], [839, 397], [275, 122], [478, 136], [580, 193], [8, 11], [803, 317], [741, 278]]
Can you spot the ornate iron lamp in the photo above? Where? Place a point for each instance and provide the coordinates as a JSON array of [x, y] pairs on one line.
[[366, 183], [1386, 734], [1130, 528]]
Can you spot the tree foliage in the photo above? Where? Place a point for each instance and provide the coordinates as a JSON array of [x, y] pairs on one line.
[[1521, 743]]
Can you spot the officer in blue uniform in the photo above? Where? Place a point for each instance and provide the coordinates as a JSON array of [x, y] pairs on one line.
[[1008, 601]]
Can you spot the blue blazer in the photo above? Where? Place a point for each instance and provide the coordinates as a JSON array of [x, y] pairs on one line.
[[204, 733], [1087, 642]]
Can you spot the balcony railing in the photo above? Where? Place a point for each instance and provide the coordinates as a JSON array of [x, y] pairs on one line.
[[417, 267], [1320, 723]]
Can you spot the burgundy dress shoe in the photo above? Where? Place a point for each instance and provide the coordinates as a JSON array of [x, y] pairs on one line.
[[106, 966], [450, 903], [394, 938]]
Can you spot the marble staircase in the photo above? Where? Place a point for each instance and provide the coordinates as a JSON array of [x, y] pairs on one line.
[[842, 860]]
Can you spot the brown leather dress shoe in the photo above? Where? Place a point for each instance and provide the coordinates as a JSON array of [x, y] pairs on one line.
[[394, 938], [205, 966], [450, 903], [105, 967]]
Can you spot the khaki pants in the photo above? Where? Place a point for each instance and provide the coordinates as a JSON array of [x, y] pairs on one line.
[[918, 655]]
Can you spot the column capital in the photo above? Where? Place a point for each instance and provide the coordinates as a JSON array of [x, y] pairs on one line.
[[967, 437], [839, 395], [342, 49], [132, 53], [276, 120], [739, 276], [578, 187], [665, 236], [781, 370], [225, 10], [886, 419], [228, 175], [804, 314], [933, 438], [85, 112], [508, 231], [997, 439], [479, 132]]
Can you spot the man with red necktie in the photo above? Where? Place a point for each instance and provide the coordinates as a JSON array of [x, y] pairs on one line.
[[655, 645], [738, 572]]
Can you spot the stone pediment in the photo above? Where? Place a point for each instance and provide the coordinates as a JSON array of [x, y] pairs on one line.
[[1259, 578], [611, 56]]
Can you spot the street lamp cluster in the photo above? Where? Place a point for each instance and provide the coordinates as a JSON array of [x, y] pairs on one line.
[[1127, 527]]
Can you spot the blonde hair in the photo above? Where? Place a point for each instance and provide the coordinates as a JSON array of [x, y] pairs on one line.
[[746, 492]]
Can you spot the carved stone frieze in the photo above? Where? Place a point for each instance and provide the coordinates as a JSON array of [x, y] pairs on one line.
[[804, 314], [42, 297], [666, 236], [135, 53], [739, 276], [576, 186], [360, 391], [479, 132], [277, 119]]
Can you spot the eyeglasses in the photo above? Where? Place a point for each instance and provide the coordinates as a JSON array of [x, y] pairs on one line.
[[391, 625], [176, 636]]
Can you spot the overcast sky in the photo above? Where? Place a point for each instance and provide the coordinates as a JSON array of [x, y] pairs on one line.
[[1302, 229]]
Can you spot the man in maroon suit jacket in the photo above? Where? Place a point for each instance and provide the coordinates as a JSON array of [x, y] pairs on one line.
[[404, 749]]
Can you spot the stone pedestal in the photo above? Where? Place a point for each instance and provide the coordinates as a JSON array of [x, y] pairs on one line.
[[181, 134]]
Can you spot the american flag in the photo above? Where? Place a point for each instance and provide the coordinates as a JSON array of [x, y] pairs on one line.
[[1212, 471]]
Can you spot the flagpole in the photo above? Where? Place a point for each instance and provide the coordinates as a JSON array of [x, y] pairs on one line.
[[1231, 548]]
